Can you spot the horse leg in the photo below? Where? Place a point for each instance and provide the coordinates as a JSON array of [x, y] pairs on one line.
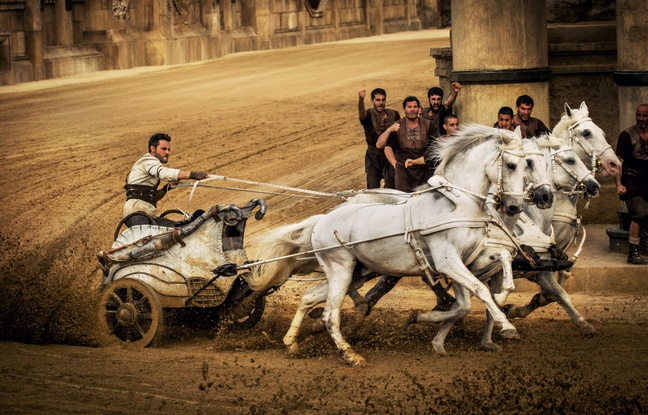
[[461, 308], [506, 285], [339, 278], [551, 286], [357, 316], [378, 291], [444, 300], [312, 297], [487, 337], [454, 268], [563, 275]]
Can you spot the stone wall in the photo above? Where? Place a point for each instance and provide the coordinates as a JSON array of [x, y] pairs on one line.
[[65, 37]]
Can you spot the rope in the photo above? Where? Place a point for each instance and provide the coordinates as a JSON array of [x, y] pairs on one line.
[[240, 189], [342, 195]]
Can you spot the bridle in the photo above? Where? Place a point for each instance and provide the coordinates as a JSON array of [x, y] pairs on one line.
[[497, 196], [595, 155], [530, 190], [579, 187]]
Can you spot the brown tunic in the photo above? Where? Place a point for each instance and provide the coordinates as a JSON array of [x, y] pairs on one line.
[[532, 128], [411, 143]]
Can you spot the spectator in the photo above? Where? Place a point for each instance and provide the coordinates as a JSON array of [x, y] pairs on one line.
[[450, 124], [530, 127], [375, 121], [438, 109], [505, 119], [409, 138], [632, 181]]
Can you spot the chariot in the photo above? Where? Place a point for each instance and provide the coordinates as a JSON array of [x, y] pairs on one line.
[[155, 276]]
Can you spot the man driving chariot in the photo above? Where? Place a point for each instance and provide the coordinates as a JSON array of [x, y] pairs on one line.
[[142, 182]]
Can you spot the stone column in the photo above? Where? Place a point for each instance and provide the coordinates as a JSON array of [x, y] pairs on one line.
[[263, 22], [226, 11], [376, 16], [632, 60], [63, 25], [34, 38], [499, 52]]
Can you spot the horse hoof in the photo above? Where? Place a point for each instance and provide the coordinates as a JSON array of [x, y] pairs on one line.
[[589, 331], [362, 308], [352, 358], [491, 347], [357, 318], [510, 334], [413, 318], [317, 326], [509, 310], [293, 349], [439, 349]]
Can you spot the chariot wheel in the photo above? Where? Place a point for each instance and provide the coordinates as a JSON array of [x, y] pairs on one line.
[[150, 219], [171, 212], [253, 316], [131, 311]]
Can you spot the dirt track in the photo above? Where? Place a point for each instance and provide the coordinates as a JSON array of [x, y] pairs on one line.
[[286, 117]]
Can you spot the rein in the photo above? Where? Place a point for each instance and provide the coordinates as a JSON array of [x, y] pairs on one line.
[[493, 217]]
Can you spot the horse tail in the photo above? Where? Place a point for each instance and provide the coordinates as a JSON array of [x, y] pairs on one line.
[[286, 240]]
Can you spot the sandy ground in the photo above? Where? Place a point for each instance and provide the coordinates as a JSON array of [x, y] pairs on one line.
[[286, 117]]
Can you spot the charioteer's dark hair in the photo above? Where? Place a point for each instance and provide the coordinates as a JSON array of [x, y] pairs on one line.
[[156, 138]]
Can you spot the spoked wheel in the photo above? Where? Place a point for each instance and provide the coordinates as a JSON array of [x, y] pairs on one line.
[[131, 311], [254, 316]]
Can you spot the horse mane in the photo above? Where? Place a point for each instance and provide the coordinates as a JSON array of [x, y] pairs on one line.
[[467, 137], [560, 130], [548, 140]]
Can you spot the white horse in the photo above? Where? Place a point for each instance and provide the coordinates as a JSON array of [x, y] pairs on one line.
[[568, 175], [447, 215], [589, 143], [496, 254]]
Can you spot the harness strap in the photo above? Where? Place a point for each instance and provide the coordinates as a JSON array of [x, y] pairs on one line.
[[424, 264]]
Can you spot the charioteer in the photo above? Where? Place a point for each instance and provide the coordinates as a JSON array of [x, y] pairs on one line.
[[142, 183]]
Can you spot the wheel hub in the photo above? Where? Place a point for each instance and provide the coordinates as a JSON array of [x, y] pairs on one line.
[[126, 314]]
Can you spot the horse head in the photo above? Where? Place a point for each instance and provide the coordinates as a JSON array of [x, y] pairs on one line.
[[568, 172], [540, 191], [587, 139], [510, 172]]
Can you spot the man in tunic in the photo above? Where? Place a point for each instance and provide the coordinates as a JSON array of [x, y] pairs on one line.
[[375, 121], [409, 138], [632, 182], [142, 182], [438, 108], [530, 126], [505, 119]]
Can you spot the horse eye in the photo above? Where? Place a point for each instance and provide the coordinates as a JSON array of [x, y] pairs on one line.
[[570, 161], [587, 133], [530, 163], [511, 166]]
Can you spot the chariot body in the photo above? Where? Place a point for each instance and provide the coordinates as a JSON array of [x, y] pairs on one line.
[[156, 276]]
